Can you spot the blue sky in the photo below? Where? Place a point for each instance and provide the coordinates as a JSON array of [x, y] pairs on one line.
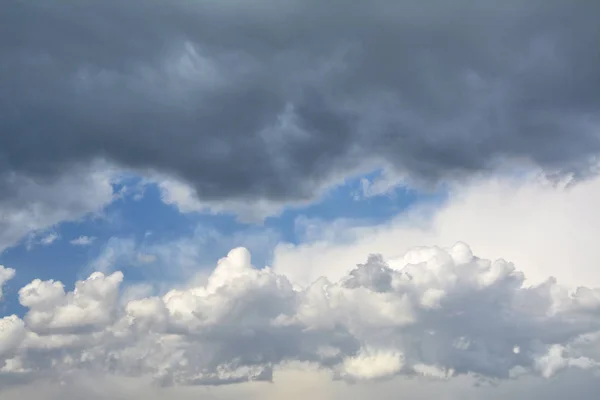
[[138, 219]]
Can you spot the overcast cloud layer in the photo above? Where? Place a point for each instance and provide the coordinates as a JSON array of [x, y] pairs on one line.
[[274, 99], [440, 313]]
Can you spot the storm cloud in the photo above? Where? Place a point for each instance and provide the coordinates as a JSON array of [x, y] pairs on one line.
[[276, 99]]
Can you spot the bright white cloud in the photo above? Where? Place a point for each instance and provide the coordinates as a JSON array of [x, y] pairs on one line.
[[434, 312], [367, 365], [547, 230], [12, 332], [89, 307]]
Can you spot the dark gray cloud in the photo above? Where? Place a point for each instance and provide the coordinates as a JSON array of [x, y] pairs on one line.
[[271, 99]]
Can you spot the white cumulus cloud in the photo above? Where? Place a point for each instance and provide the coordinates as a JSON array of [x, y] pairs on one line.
[[434, 312]]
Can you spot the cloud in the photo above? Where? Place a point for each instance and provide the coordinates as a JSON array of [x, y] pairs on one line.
[[49, 239], [285, 102], [546, 229], [438, 313], [89, 307], [6, 274], [183, 258], [144, 258], [83, 241], [32, 205], [117, 253], [185, 198], [298, 382]]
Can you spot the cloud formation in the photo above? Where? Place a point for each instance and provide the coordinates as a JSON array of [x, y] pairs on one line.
[[275, 99], [6, 274], [545, 229], [30, 206], [83, 240], [436, 312]]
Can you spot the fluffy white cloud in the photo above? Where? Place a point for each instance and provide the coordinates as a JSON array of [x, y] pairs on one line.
[[434, 312], [89, 307], [12, 331], [372, 365], [12, 328]]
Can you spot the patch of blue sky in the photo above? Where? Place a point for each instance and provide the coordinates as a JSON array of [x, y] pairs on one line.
[[348, 202], [138, 223]]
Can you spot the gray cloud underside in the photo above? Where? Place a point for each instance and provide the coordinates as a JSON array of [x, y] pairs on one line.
[[273, 99]]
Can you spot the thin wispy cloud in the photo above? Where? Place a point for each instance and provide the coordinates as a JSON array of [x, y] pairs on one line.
[[83, 241]]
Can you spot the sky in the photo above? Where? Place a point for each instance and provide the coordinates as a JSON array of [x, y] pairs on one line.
[[299, 199]]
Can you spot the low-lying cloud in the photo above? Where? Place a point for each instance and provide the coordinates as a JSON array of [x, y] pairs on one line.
[[436, 312]]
